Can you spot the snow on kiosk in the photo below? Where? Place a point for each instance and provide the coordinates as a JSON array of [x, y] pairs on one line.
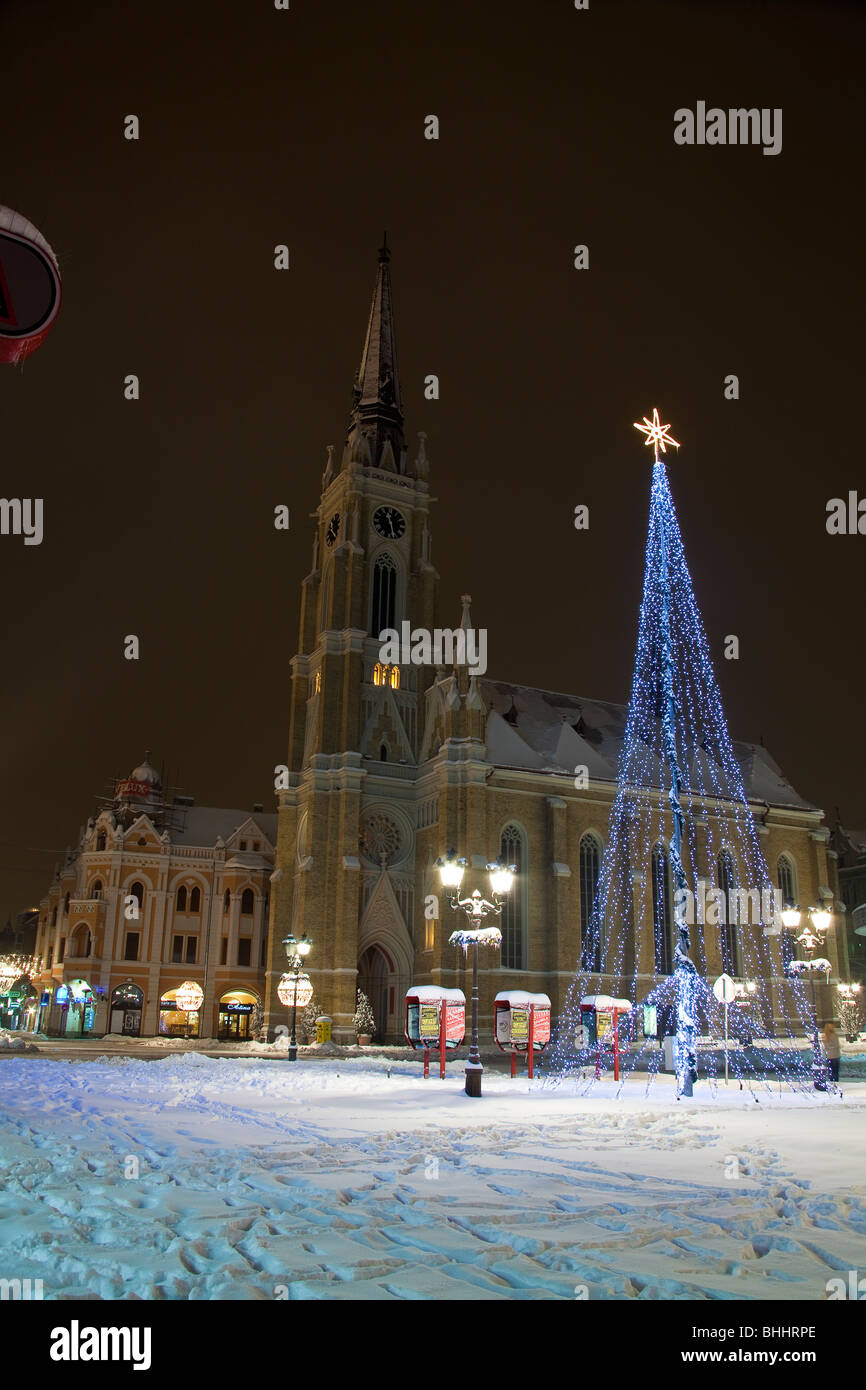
[[600, 1018], [435, 1017], [521, 1023]]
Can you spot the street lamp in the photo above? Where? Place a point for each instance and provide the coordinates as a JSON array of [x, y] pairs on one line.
[[849, 1009], [296, 954], [811, 938], [475, 908]]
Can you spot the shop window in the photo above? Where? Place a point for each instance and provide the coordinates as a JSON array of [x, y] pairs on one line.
[[190, 950], [130, 951], [224, 950], [244, 946], [248, 902], [177, 950], [195, 900]]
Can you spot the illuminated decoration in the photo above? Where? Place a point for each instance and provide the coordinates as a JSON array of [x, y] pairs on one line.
[[29, 287], [13, 966], [286, 990], [189, 997], [656, 434], [681, 809]]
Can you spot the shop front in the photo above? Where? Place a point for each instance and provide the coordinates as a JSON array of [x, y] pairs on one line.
[[236, 1012], [71, 1010], [180, 1011], [127, 1003]]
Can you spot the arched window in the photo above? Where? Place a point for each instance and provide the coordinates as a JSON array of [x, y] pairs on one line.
[[181, 898], [378, 674], [394, 677], [96, 890], [248, 902], [66, 904], [227, 901], [512, 923], [383, 754], [662, 913], [384, 600], [195, 900], [54, 917], [590, 872], [727, 881], [137, 892], [787, 878]]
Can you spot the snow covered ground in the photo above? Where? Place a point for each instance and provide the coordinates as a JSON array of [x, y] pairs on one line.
[[196, 1177]]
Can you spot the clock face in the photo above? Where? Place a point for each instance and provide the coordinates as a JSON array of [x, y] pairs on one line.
[[333, 530], [389, 523]]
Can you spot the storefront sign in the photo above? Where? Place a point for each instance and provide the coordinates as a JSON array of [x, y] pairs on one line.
[[232, 1008]]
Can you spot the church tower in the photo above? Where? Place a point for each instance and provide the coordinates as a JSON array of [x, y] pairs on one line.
[[345, 866]]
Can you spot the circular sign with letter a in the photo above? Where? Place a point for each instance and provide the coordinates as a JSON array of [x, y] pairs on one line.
[[29, 287]]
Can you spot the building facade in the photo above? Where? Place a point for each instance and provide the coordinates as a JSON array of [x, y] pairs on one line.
[[390, 764], [157, 894]]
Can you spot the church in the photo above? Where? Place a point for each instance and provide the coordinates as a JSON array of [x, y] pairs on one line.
[[392, 763]]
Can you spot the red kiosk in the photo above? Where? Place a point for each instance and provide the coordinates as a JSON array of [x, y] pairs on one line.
[[600, 1018], [521, 1024], [435, 1017]]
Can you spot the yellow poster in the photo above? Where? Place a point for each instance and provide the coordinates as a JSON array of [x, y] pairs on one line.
[[428, 1023], [603, 1025]]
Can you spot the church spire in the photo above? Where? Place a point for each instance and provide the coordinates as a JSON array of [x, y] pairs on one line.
[[377, 408]]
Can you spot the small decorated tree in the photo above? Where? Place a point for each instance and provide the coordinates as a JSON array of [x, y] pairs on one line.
[[851, 1019], [308, 1022], [364, 1020]]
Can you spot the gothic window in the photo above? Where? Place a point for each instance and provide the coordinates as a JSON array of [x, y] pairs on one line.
[[137, 892], [380, 838], [96, 890], [378, 674], [590, 872], [787, 879], [394, 678], [786, 874], [726, 882], [662, 914], [181, 899], [384, 604], [512, 850], [227, 901], [248, 899], [383, 754], [195, 900]]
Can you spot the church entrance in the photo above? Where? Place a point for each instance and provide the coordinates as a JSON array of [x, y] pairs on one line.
[[375, 973]]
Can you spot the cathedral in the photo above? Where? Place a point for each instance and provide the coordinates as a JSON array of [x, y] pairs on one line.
[[393, 763]]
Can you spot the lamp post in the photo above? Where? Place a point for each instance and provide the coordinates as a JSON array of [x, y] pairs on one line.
[[811, 938], [476, 909], [849, 1009], [296, 954]]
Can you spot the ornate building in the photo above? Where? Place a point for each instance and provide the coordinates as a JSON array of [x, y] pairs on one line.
[[391, 764], [155, 894]]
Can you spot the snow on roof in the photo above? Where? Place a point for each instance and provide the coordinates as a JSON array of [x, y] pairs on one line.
[[543, 729], [522, 996], [605, 1002], [431, 994], [203, 825]]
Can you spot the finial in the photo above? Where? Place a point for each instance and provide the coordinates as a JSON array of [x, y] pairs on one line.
[[384, 252], [466, 620]]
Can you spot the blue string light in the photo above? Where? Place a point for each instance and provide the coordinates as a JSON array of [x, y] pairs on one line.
[[681, 797]]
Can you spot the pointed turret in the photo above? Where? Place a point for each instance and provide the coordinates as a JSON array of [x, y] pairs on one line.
[[376, 428]]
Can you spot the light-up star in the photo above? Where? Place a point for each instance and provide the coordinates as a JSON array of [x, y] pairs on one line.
[[656, 433]]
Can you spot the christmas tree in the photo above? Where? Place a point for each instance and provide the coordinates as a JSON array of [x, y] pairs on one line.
[[365, 1022], [681, 822]]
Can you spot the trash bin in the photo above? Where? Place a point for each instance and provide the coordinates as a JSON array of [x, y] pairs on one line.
[[323, 1028]]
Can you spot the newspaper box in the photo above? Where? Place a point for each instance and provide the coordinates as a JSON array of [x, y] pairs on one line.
[[601, 1018], [521, 1024], [435, 1018]]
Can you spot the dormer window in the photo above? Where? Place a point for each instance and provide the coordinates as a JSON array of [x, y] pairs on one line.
[[242, 846]]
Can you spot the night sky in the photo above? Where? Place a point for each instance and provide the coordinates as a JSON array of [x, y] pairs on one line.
[[261, 127]]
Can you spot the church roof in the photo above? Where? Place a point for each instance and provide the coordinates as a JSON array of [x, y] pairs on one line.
[[545, 731], [377, 406], [203, 825]]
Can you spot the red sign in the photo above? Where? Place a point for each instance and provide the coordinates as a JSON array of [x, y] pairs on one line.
[[541, 1026], [130, 788], [455, 1022]]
